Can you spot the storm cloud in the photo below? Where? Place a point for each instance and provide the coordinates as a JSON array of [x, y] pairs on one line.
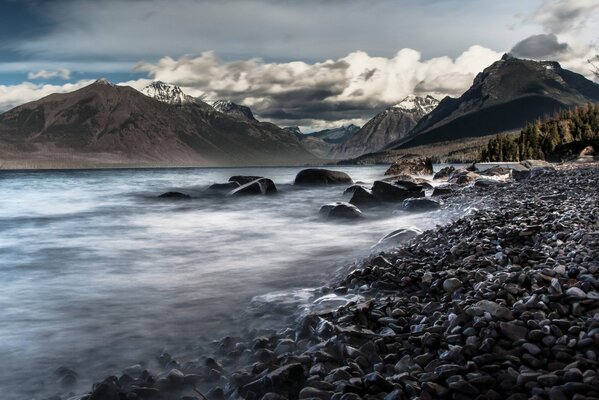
[[543, 46], [351, 88]]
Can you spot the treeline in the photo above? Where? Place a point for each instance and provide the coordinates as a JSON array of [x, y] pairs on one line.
[[540, 140]]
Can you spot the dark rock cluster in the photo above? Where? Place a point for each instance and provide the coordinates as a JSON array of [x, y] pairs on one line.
[[503, 303]]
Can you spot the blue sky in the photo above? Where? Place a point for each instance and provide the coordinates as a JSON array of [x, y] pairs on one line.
[[69, 42]]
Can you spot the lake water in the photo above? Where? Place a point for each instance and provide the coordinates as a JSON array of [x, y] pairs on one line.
[[97, 274]]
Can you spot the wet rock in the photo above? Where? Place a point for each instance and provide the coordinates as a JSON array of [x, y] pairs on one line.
[[441, 191], [225, 186], [420, 204], [444, 173], [340, 210], [363, 198], [462, 176], [244, 179], [258, 187], [317, 176], [411, 164], [174, 196], [385, 191], [313, 393]]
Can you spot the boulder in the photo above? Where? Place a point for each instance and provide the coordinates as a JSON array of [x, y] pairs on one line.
[[242, 179], [397, 237], [411, 164], [385, 191], [531, 168], [402, 177], [257, 187], [462, 176], [495, 171], [352, 189], [420, 204], [484, 182], [225, 186], [340, 210], [441, 191], [174, 196], [444, 172], [318, 176], [363, 197]]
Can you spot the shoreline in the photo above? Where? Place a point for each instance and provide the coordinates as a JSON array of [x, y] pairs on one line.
[[448, 314]]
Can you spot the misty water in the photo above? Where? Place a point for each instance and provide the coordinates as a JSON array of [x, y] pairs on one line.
[[97, 274]]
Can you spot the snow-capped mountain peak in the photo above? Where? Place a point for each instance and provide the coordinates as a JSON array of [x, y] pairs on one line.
[[422, 105], [234, 109], [166, 93]]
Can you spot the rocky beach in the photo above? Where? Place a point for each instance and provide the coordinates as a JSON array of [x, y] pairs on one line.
[[502, 303]]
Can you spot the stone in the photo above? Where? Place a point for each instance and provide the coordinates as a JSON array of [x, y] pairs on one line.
[[513, 331], [451, 285], [224, 186], [444, 173], [174, 196], [340, 210], [318, 176], [398, 237], [385, 191], [243, 179], [260, 186], [411, 164], [420, 204], [441, 191], [363, 197]]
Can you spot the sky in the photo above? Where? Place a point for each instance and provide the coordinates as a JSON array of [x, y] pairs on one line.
[[311, 63]]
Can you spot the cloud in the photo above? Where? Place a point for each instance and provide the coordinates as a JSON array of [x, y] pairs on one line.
[[272, 29], [350, 88], [561, 16], [543, 46], [61, 73], [14, 95]]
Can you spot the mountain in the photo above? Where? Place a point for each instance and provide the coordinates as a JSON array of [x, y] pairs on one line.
[[167, 93], [336, 135], [103, 124], [234, 110], [392, 124], [322, 143], [504, 97]]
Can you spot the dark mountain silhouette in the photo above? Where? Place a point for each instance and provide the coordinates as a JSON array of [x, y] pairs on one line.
[[504, 97], [104, 124]]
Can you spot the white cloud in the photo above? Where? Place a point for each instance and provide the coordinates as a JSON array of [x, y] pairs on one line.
[[14, 95], [61, 73], [350, 88]]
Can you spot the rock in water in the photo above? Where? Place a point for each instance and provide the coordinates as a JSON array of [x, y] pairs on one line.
[[389, 192], [444, 173], [174, 196], [420, 204], [242, 179], [259, 186], [224, 186], [440, 191], [317, 176], [462, 176], [363, 197], [531, 168], [341, 210], [411, 164]]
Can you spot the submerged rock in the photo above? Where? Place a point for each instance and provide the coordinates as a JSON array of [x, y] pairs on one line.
[[444, 173], [318, 176], [257, 187], [174, 196], [243, 179], [363, 198], [225, 186], [340, 210]]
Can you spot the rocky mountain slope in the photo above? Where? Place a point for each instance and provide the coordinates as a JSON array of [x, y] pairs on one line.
[[103, 124], [323, 143], [390, 125], [504, 97], [234, 110], [167, 93]]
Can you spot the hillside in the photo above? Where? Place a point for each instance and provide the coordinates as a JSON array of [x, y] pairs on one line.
[[504, 97], [108, 125]]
